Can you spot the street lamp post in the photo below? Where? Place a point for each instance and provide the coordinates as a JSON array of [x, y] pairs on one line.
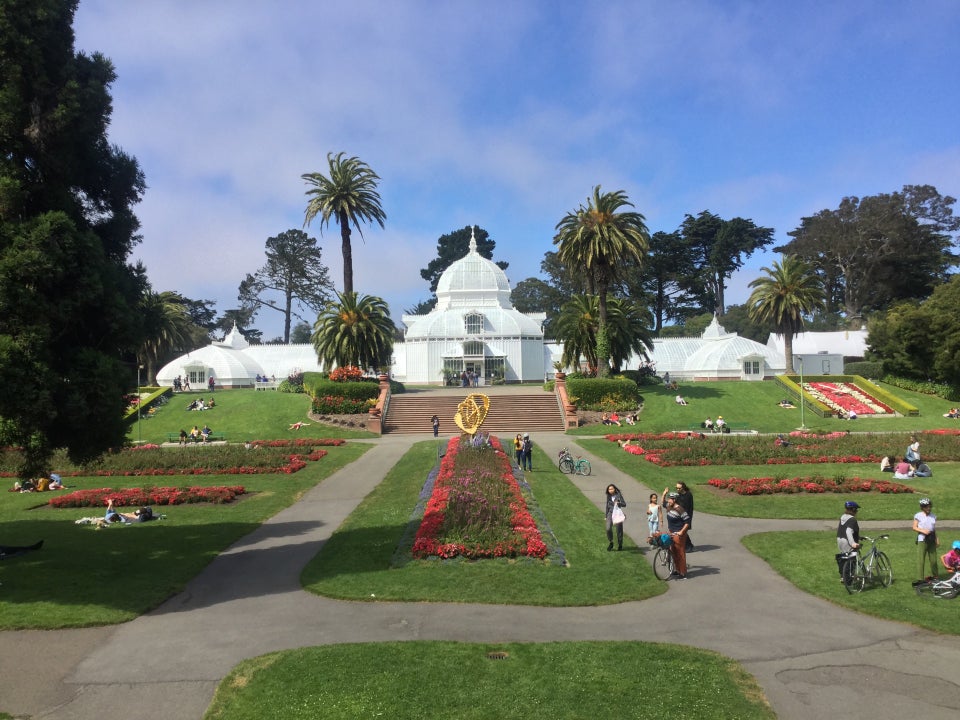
[[802, 425], [139, 412]]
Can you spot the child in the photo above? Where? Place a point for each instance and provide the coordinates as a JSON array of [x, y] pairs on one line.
[[653, 518], [951, 559]]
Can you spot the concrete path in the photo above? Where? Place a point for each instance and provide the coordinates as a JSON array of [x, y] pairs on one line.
[[813, 659]]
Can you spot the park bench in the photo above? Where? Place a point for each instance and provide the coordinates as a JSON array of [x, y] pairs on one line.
[[731, 427], [266, 384], [214, 437]]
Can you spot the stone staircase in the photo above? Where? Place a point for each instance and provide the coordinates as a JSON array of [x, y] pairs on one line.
[[509, 414]]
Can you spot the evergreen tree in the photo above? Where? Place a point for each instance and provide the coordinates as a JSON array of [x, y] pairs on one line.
[[69, 321]]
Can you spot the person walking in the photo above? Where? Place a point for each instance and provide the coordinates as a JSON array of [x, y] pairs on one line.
[[614, 500], [925, 525], [435, 422], [848, 534], [518, 450], [527, 457], [654, 517], [212, 383]]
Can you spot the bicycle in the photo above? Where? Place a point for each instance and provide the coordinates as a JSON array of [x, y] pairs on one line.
[[869, 569], [568, 465], [943, 589], [662, 558]]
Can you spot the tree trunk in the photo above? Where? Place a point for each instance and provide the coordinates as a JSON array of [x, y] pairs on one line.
[[347, 252], [603, 341], [288, 308], [788, 350]]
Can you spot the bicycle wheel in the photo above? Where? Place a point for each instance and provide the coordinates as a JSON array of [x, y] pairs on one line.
[[663, 564], [853, 575], [566, 465], [883, 570], [945, 590], [583, 467]]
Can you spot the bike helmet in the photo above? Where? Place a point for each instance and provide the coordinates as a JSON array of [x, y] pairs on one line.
[[925, 501], [956, 544], [851, 505]]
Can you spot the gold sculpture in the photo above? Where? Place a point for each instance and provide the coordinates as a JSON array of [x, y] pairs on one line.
[[472, 412]]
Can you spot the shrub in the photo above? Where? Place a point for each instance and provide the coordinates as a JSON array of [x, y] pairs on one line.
[[865, 368], [947, 392], [616, 393], [347, 373]]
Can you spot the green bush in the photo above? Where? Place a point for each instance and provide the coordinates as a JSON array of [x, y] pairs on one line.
[[609, 394], [359, 390], [289, 387], [864, 368], [947, 392]]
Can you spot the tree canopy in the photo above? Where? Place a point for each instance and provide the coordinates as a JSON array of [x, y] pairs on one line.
[[296, 272], [601, 237], [717, 248], [69, 321], [354, 330], [789, 291], [873, 251], [455, 245], [349, 195]]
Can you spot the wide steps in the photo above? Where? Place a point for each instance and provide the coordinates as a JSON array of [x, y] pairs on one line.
[[509, 414]]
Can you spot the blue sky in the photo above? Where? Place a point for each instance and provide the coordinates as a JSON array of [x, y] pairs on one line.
[[506, 114]]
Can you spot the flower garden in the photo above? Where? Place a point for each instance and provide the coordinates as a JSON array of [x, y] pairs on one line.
[[129, 497], [845, 397], [687, 449], [475, 507], [811, 484]]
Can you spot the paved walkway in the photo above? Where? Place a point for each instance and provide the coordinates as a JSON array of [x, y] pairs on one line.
[[813, 659]]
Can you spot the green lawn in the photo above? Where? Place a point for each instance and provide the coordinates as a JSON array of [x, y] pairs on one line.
[[755, 403], [807, 560], [84, 576], [356, 562], [241, 415], [460, 681]]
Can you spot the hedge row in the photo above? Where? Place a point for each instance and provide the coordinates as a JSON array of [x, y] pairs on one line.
[[618, 393]]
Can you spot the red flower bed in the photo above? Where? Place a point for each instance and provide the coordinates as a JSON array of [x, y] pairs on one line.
[[847, 396], [813, 484], [299, 442], [128, 497], [525, 539]]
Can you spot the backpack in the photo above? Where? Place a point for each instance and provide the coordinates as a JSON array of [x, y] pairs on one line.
[[528, 445]]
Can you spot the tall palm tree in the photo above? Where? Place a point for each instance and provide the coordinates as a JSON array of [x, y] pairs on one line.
[[602, 239], [354, 330], [789, 291], [579, 321], [348, 195], [167, 328]]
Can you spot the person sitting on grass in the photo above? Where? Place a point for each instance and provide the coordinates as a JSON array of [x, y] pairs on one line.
[[951, 559], [903, 470], [679, 400], [786, 404], [921, 469], [614, 419], [888, 463], [631, 419], [781, 441]]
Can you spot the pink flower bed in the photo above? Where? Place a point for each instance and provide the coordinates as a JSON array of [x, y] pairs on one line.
[[129, 497], [525, 540], [814, 484]]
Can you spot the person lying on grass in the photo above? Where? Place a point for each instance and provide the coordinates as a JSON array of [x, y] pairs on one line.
[[297, 425], [139, 515]]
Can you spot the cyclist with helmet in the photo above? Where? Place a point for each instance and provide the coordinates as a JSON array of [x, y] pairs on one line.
[[848, 533], [925, 525], [951, 560]]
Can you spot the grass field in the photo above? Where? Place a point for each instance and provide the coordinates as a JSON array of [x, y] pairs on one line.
[[755, 403], [559, 681], [356, 562]]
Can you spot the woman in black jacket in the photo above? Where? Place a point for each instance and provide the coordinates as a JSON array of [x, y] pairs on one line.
[[614, 498]]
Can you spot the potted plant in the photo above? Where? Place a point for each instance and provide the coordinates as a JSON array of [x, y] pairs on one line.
[[559, 374]]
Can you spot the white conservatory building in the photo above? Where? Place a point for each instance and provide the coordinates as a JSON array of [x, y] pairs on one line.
[[474, 327]]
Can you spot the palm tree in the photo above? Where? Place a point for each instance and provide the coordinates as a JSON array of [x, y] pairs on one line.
[[579, 321], [349, 195], [790, 290], [602, 239], [354, 330], [167, 327]]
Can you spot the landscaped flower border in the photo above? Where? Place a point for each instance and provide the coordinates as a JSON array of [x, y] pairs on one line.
[[846, 396], [814, 485], [130, 497], [696, 450], [264, 458], [428, 543]]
